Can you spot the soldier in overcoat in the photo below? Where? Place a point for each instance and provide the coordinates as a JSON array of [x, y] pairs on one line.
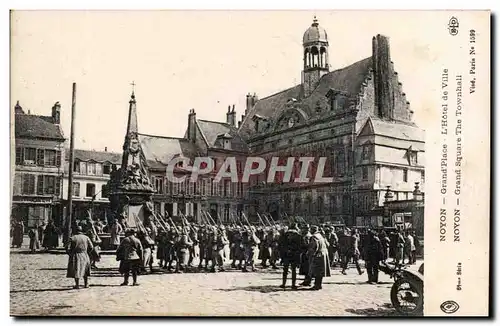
[[318, 257]]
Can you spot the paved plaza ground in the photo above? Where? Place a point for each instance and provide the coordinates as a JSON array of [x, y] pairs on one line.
[[39, 287]]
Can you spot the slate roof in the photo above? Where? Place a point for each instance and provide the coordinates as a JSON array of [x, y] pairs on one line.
[[210, 130], [36, 126], [97, 156], [348, 80], [397, 130], [159, 150]]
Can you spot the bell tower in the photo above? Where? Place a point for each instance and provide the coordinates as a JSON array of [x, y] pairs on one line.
[[315, 43]]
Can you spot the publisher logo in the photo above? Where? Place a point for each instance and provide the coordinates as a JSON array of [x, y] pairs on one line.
[[449, 307], [453, 26]]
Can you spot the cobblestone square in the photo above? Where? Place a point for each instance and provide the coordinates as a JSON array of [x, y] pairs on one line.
[[39, 287]]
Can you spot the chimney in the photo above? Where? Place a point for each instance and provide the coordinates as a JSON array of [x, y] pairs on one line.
[[18, 109], [254, 99], [383, 73], [56, 113], [231, 116], [191, 133], [249, 103]]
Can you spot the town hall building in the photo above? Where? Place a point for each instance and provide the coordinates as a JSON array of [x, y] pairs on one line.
[[358, 117]]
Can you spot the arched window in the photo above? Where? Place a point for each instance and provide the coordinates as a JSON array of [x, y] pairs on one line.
[[320, 205], [297, 209], [308, 206], [322, 57], [286, 203], [314, 56], [307, 61]]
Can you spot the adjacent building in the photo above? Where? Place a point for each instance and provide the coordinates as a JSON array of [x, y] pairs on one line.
[[91, 172], [39, 149]]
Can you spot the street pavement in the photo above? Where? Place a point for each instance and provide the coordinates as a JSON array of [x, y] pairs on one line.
[[39, 287]]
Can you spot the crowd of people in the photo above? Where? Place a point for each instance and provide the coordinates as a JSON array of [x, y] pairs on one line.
[[310, 250], [41, 235]]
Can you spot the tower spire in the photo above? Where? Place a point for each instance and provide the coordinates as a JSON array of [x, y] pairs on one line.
[[133, 89]]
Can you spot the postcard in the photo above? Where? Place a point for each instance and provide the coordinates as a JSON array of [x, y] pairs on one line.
[[250, 163]]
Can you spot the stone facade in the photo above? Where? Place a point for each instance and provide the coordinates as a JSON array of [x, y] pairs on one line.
[[358, 117], [37, 183], [91, 173]]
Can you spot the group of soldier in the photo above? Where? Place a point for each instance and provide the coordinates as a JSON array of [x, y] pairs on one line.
[[309, 250]]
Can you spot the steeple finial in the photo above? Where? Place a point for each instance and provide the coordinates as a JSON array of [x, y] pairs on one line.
[[133, 89], [315, 21]]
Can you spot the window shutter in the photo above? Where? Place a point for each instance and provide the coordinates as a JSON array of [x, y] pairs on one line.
[[58, 186], [58, 158], [40, 185], [19, 155], [40, 157]]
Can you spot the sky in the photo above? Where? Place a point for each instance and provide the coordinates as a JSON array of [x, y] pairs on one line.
[[204, 60]]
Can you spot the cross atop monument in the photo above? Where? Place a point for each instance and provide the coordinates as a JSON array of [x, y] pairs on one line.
[[133, 87]]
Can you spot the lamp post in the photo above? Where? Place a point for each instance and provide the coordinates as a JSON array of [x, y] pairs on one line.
[[387, 212], [418, 195]]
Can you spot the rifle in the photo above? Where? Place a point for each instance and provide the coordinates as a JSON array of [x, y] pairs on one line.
[[211, 219]]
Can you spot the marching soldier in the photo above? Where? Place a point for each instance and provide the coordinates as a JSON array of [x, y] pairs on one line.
[[203, 240], [250, 243], [237, 247], [183, 249], [220, 242], [194, 250]]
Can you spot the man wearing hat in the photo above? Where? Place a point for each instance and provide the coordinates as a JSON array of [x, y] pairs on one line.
[[183, 250], [318, 258], [78, 247], [290, 253], [250, 243], [304, 259], [374, 253], [129, 253]]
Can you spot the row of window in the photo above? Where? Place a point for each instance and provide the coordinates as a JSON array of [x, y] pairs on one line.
[[204, 187], [337, 204], [92, 168], [364, 171], [37, 156], [32, 184], [90, 189]]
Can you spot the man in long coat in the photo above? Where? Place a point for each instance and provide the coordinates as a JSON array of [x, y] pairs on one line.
[[17, 237], [373, 255], [40, 230], [34, 243], [318, 258], [290, 253], [78, 248], [51, 236], [304, 259], [116, 230]]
